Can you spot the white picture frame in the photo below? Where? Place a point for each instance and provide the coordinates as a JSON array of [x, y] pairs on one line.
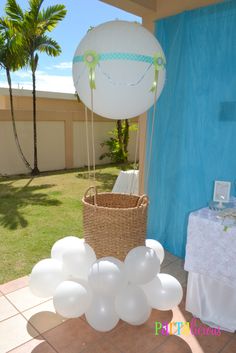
[[221, 191]]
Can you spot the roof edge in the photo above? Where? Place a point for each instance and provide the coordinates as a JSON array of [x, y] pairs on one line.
[[40, 94]]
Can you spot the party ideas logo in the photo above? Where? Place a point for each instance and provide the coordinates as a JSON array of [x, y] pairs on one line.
[[186, 328]]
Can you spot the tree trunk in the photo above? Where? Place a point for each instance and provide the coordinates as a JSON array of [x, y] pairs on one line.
[[119, 132], [35, 171], [126, 137], [14, 121]]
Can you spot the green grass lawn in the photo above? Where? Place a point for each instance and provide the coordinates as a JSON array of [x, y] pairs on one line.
[[35, 212]]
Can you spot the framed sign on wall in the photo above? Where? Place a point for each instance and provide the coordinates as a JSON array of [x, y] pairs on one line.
[[221, 191]]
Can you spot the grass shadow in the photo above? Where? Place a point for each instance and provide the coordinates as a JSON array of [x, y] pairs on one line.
[[104, 177], [13, 199]]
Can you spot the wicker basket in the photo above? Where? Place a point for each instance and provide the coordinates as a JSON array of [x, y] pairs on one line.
[[114, 223]]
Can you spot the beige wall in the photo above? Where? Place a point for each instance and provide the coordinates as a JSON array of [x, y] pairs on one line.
[[61, 133], [100, 134], [51, 146]]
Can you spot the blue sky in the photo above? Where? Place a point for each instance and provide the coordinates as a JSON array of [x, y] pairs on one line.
[[54, 74]]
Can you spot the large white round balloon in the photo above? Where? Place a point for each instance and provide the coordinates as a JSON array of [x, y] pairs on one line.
[[141, 265], [78, 260], [62, 245], [71, 299], [132, 306], [101, 314], [46, 275], [168, 295], [107, 276], [120, 58], [155, 245]]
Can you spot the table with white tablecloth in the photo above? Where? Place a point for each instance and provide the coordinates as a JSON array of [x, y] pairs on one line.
[[127, 182], [211, 262]]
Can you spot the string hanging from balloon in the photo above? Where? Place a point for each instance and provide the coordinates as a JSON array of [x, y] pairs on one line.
[[87, 141], [92, 60]]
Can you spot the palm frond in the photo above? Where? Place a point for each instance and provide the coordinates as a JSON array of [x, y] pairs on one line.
[[34, 8], [12, 54], [48, 18], [14, 11], [47, 45]]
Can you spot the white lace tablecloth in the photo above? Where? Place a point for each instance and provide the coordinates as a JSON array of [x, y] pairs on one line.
[[211, 247]]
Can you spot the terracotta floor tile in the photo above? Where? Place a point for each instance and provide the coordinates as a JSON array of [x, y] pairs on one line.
[[43, 317], [135, 339], [72, 336], [101, 347], [161, 316], [230, 347], [176, 269], [33, 346], [23, 299], [173, 344], [180, 314], [208, 344], [6, 309], [14, 285], [14, 332], [168, 259], [231, 334]]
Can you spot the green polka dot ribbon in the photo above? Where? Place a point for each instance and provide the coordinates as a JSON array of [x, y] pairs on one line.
[[91, 59]]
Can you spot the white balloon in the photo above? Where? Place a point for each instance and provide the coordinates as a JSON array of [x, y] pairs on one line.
[[143, 319], [152, 290], [141, 265], [78, 260], [46, 275], [155, 245], [169, 294], [101, 314], [71, 299], [132, 306], [124, 74], [62, 245], [107, 276]]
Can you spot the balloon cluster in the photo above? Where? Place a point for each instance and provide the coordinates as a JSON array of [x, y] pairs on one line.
[[105, 289]]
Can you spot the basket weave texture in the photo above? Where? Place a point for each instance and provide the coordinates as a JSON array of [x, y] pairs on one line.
[[114, 223]]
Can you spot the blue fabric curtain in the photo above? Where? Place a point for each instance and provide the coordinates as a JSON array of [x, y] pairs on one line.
[[194, 140]]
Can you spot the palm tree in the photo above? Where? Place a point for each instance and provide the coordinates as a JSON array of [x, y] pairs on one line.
[[33, 25], [11, 59]]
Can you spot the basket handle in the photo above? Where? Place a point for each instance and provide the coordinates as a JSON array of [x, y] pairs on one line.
[[142, 201], [94, 188]]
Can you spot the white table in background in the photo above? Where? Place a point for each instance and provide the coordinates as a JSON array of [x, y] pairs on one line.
[[211, 262], [127, 182]]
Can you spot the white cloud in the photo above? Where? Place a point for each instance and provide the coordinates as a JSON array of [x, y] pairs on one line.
[[55, 83], [63, 65], [45, 82], [22, 74]]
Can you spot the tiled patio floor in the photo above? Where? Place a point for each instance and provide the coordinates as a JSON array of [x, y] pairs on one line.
[[30, 325]]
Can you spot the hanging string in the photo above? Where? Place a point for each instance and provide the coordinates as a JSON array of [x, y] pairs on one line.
[[87, 142], [135, 161], [93, 142], [151, 140], [128, 84]]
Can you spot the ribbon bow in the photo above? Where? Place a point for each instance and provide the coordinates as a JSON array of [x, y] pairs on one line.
[[159, 64]]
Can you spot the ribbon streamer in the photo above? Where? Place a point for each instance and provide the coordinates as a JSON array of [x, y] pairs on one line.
[[159, 64], [91, 59]]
